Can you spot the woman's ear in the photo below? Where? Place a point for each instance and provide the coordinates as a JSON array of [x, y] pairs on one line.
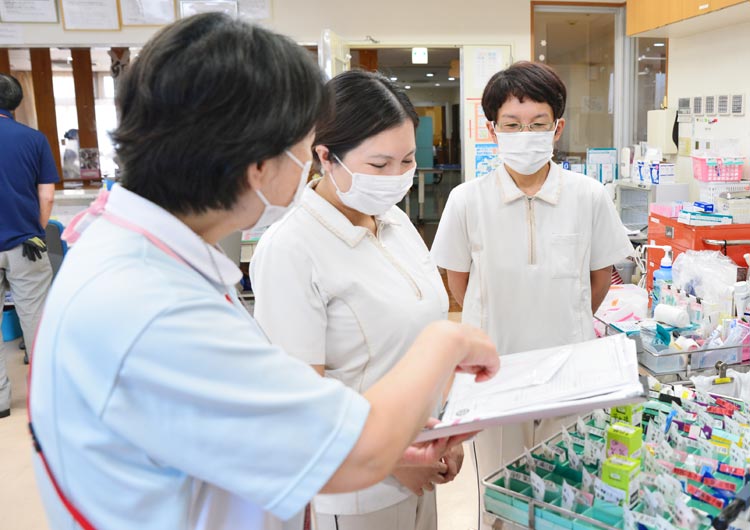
[[491, 129], [257, 174], [324, 156], [560, 127]]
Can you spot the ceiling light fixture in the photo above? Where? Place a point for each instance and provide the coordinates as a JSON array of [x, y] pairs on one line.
[[451, 79], [430, 74], [394, 78], [658, 44], [407, 87]]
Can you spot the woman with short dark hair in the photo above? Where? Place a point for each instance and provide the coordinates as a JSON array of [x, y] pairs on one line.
[[529, 247], [156, 401], [349, 273]]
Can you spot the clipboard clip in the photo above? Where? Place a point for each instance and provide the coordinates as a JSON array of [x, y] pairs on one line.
[[721, 369]]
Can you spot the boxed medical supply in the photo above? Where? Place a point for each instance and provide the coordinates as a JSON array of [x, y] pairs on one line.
[[624, 440], [623, 473], [703, 219], [630, 414]]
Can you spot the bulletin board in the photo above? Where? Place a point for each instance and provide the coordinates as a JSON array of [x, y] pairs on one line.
[[43, 11], [147, 12], [90, 15], [478, 65]]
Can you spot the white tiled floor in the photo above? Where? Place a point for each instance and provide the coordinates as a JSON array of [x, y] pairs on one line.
[[21, 509]]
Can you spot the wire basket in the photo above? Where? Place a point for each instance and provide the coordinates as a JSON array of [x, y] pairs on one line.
[[710, 191], [714, 169]]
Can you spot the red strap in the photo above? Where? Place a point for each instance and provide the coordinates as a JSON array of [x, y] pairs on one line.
[[72, 510], [78, 517]]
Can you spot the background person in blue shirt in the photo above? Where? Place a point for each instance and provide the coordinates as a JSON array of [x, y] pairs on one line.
[[27, 189]]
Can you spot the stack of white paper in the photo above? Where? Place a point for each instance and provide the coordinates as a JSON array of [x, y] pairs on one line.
[[544, 383]]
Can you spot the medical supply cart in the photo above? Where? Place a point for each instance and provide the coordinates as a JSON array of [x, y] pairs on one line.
[[732, 240]]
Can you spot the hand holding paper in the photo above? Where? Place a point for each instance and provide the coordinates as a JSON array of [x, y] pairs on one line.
[[544, 383]]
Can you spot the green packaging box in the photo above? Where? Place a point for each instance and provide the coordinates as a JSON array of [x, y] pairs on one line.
[[624, 440]]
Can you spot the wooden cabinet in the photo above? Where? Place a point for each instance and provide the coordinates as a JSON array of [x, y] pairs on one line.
[[645, 15]]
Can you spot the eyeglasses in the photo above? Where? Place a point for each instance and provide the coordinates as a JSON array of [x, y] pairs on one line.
[[514, 127]]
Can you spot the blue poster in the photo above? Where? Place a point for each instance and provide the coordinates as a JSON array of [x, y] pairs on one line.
[[485, 159]]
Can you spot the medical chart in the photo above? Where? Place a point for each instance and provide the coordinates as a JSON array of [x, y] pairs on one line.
[[544, 383]]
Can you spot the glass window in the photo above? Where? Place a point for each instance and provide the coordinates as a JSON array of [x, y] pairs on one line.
[[650, 81], [580, 46]]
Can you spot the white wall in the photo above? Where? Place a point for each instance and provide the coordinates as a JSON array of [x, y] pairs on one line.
[[392, 22], [712, 63]]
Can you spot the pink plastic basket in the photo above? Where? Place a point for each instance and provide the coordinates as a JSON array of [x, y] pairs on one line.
[[709, 169]]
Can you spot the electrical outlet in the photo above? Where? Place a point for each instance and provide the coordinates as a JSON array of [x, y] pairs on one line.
[[709, 105], [738, 104], [697, 106], [722, 105]]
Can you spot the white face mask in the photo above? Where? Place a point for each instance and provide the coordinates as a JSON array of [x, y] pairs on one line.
[[526, 152], [374, 194], [272, 212]]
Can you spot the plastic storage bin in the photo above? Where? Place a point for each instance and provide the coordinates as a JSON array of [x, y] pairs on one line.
[[11, 325], [659, 361], [710, 169]]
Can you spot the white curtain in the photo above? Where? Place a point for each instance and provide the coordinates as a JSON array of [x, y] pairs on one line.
[[26, 113]]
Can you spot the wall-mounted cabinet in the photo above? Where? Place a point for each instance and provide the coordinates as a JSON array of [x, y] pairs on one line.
[[647, 15]]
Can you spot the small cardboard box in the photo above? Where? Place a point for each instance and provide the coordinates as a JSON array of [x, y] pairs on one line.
[[624, 440], [630, 414], [623, 473]]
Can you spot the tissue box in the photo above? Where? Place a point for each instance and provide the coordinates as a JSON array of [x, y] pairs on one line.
[[623, 473], [703, 219], [660, 173], [624, 440], [630, 414], [705, 207]]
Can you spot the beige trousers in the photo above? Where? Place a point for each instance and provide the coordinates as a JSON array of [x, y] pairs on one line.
[[29, 282], [414, 513]]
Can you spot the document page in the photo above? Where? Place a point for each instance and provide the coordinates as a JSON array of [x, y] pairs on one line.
[[534, 380]]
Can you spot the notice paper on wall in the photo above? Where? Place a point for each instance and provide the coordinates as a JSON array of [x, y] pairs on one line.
[[546, 383], [11, 34], [147, 12], [28, 11], [189, 8], [90, 15]]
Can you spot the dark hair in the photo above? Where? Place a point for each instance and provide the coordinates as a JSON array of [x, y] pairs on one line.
[[363, 104], [207, 97], [11, 93], [535, 81]]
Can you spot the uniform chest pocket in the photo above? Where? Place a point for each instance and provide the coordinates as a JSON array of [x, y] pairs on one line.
[[564, 255]]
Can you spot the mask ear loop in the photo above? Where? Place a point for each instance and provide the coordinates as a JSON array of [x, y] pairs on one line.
[[333, 179]]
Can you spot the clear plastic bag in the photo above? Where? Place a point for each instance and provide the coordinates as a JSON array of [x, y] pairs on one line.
[[708, 274]]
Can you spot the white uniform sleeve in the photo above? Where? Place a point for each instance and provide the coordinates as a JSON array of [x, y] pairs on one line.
[[289, 307], [609, 241], [222, 404], [451, 248]]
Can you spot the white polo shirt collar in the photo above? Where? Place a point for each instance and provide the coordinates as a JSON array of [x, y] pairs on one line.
[[175, 234], [549, 192], [335, 221]]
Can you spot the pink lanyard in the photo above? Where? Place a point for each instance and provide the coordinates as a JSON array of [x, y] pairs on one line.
[[71, 234]]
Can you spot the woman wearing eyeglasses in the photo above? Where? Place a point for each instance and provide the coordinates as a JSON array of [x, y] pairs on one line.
[[529, 247]]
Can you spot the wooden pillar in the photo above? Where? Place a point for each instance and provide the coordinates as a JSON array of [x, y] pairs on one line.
[[44, 97], [83, 79], [4, 61], [368, 60]]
